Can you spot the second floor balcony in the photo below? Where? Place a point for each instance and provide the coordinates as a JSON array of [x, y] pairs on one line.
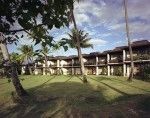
[[90, 63], [116, 60], [76, 64], [102, 62], [139, 57], [67, 64]]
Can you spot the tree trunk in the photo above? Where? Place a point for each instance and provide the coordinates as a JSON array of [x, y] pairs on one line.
[[129, 42], [79, 51], [14, 75]]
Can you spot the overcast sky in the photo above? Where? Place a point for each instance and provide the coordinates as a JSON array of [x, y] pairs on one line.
[[104, 21]]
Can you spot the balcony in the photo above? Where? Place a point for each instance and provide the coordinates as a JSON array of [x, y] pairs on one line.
[[76, 64], [90, 63], [102, 62], [53, 65], [117, 60], [68, 64], [139, 57]]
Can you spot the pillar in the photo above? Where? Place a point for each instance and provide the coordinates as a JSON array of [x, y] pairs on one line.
[[72, 68], [35, 71], [124, 55], [44, 69], [108, 66], [97, 73], [124, 70]]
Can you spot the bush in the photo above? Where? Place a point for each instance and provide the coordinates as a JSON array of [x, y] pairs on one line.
[[144, 73], [104, 71], [118, 71]]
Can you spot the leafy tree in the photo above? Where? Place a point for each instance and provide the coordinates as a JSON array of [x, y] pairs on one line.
[[129, 41], [14, 75], [30, 16], [78, 39]]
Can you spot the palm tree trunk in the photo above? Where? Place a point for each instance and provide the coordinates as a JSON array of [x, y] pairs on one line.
[[79, 50], [129, 42], [14, 75]]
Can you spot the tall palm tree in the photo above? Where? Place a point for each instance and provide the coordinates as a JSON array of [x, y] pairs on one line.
[[129, 41], [72, 19], [27, 54], [78, 39], [14, 75]]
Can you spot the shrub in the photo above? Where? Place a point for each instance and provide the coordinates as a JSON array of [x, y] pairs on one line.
[[118, 70], [104, 71], [144, 73]]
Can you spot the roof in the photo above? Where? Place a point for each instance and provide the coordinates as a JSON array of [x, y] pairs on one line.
[[134, 44]]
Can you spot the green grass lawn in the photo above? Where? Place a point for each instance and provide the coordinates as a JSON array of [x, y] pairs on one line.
[[70, 91]]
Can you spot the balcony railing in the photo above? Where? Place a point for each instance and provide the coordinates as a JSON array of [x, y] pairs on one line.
[[76, 64], [102, 62], [68, 64], [117, 60], [139, 57], [55, 64], [89, 63]]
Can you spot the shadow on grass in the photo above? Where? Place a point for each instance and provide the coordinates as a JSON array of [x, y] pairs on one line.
[[119, 81], [98, 79], [113, 88], [56, 97], [4, 83], [55, 100]]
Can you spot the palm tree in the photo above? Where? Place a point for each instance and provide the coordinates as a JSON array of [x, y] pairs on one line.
[[129, 41], [14, 75], [15, 57], [78, 39], [45, 51], [27, 54], [72, 19]]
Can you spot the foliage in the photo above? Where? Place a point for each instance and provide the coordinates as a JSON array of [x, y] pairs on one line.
[[140, 57], [144, 73], [104, 71], [33, 17], [72, 40], [118, 70], [27, 53]]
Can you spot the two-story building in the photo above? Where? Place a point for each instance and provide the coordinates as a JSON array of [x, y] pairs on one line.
[[110, 62]]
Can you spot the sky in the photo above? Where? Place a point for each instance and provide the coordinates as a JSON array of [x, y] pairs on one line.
[[104, 21]]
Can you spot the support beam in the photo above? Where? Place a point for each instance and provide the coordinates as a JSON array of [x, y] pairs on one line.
[[124, 70], [35, 70], [44, 73], [124, 55], [97, 73], [108, 70], [72, 68]]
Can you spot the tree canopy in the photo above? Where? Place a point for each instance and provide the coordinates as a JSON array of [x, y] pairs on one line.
[[33, 17]]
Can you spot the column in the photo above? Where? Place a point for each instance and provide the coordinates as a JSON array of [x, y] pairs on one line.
[[97, 73], [108, 66], [128, 70], [35, 70], [58, 66], [72, 68], [108, 70], [124, 70], [124, 55], [44, 68], [124, 65]]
